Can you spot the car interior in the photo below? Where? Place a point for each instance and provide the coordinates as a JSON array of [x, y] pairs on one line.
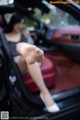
[[60, 68]]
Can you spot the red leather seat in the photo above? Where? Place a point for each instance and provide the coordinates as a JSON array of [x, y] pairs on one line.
[[48, 72]]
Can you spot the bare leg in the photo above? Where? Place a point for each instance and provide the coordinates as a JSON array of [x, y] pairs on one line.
[[36, 74], [21, 64], [30, 53]]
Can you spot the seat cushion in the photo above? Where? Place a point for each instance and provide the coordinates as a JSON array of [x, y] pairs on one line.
[[48, 72]]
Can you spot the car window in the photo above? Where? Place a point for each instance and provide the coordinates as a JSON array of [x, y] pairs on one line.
[[56, 17], [6, 2]]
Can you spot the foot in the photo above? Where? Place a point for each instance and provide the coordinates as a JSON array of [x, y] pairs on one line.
[[51, 106], [31, 53]]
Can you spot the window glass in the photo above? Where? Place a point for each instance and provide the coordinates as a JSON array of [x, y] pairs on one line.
[[6, 2], [56, 17]]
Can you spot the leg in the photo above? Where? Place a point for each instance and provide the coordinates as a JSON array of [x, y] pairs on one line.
[[30, 53], [36, 74], [21, 64]]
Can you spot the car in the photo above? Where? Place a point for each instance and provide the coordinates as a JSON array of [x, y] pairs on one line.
[[18, 94]]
